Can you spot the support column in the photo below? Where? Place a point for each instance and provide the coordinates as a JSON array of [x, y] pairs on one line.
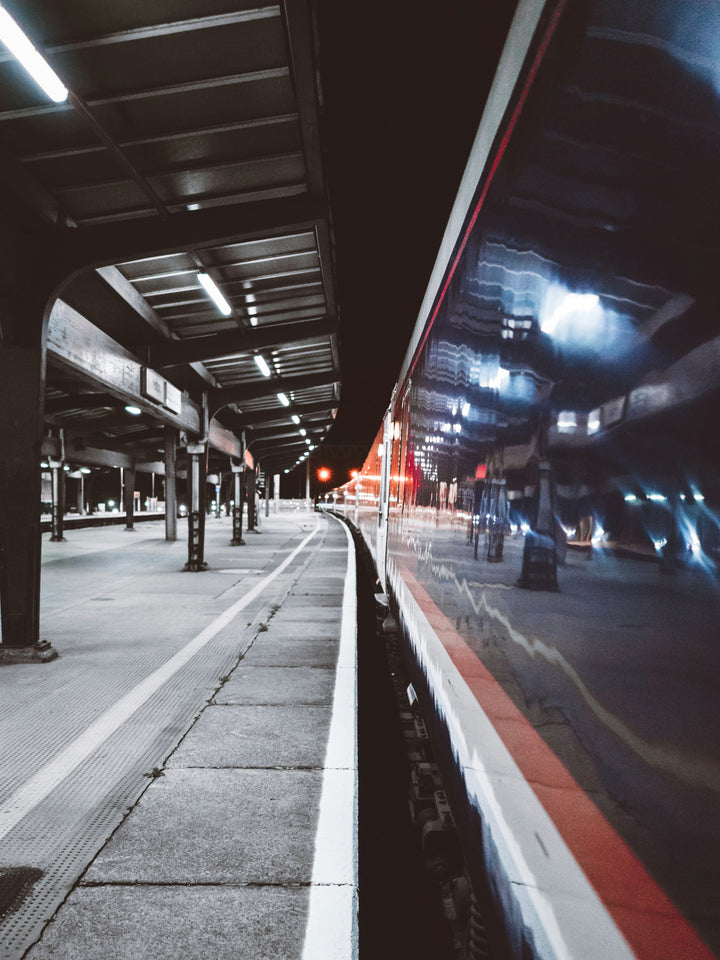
[[170, 483], [80, 491], [250, 488], [276, 492], [307, 483], [89, 493], [196, 515], [237, 537], [129, 497], [58, 502], [218, 497], [21, 403], [267, 494]]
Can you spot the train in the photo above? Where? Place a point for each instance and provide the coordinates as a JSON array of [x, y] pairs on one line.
[[542, 498]]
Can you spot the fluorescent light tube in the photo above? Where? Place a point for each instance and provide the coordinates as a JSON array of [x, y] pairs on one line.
[[38, 68], [295, 418], [282, 397], [262, 364], [212, 291]]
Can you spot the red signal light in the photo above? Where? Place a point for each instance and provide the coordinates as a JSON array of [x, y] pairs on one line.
[[353, 474], [323, 474]]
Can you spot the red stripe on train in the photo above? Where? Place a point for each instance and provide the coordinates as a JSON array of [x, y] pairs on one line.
[[640, 908]]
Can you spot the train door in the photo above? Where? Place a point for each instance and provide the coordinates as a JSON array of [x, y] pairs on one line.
[[384, 499]]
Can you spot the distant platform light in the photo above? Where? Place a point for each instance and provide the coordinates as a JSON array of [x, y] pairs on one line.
[[282, 397], [262, 364], [630, 498], [303, 432], [193, 206], [324, 474], [353, 474], [22, 49], [295, 418], [85, 470], [130, 408], [657, 497], [211, 288]]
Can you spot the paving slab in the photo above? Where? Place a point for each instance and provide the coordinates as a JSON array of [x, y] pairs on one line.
[[278, 685], [293, 611], [302, 599], [167, 923], [287, 628], [292, 653], [217, 826], [256, 736]]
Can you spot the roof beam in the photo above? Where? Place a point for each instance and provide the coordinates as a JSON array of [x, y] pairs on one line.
[[90, 148], [152, 31], [76, 345], [253, 419], [216, 346], [104, 244], [270, 387], [191, 86], [124, 289]]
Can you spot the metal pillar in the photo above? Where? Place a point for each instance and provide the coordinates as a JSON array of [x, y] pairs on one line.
[[218, 498], [58, 501], [237, 537], [80, 491], [267, 494], [196, 514], [276, 492], [307, 483], [170, 483], [250, 488], [129, 498], [21, 402], [89, 493]]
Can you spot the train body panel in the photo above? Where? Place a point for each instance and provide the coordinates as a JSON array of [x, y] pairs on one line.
[[543, 498]]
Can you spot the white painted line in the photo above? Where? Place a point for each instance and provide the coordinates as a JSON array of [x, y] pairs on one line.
[[332, 932], [39, 786]]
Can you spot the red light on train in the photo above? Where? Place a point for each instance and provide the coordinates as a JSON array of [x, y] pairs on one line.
[[353, 474], [324, 474], [481, 471]]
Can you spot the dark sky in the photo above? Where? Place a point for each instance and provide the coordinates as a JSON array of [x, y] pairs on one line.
[[404, 84]]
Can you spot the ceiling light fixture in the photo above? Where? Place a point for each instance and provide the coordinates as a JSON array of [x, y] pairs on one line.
[[135, 411], [262, 364], [295, 418], [212, 291], [22, 49], [282, 397]]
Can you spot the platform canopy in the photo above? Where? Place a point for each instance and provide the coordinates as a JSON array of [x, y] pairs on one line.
[[188, 146]]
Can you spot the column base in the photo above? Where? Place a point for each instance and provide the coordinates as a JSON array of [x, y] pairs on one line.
[[42, 652], [237, 543], [195, 566]]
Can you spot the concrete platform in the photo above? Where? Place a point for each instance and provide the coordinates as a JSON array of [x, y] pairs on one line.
[[183, 776]]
